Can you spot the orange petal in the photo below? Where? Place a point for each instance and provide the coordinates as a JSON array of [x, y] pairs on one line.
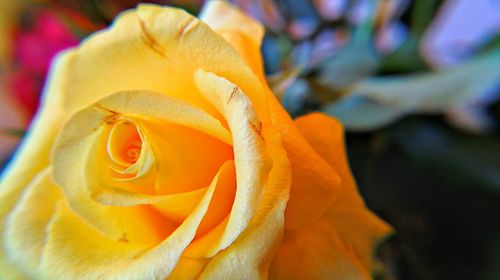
[[179, 206], [222, 200], [187, 268], [315, 184], [330, 144], [340, 244], [180, 151]]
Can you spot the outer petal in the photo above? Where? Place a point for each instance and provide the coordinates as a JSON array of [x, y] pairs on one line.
[[158, 49], [27, 247], [308, 200], [250, 255], [251, 160], [315, 184], [33, 156], [349, 211], [60, 245], [340, 244], [242, 32]]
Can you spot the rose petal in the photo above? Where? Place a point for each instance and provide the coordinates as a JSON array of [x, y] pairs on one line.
[[242, 32], [330, 144], [315, 183], [28, 246], [153, 48], [74, 249], [306, 202], [33, 155], [127, 56], [181, 151], [340, 244], [252, 164], [89, 191], [251, 254], [140, 105], [187, 268]]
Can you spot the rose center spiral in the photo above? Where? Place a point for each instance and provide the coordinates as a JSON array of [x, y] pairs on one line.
[[124, 143]]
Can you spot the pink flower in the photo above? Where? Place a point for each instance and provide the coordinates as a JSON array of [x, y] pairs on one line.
[[41, 34], [42, 40]]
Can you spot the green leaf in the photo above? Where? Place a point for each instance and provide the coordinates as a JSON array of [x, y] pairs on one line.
[[358, 113], [435, 92], [406, 59], [422, 14], [394, 96], [356, 61]]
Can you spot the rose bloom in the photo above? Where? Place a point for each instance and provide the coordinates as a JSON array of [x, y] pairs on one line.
[[160, 152]]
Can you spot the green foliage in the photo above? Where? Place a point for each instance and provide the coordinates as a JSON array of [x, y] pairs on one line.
[[378, 101]]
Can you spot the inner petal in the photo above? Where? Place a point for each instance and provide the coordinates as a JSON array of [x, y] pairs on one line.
[[222, 200], [186, 159], [124, 143]]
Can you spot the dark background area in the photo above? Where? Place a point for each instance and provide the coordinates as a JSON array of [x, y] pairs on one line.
[[439, 188]]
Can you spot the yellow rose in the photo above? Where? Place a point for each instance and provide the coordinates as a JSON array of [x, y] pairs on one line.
[[160, 152]]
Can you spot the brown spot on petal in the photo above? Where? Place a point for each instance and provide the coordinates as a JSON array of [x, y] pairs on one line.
[[111, 119], [108, 119], [233, 94], [100, 107], [257, 128], [123, 238], [149, 40]]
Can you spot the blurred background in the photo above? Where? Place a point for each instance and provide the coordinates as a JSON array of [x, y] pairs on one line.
[[416, 84]]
